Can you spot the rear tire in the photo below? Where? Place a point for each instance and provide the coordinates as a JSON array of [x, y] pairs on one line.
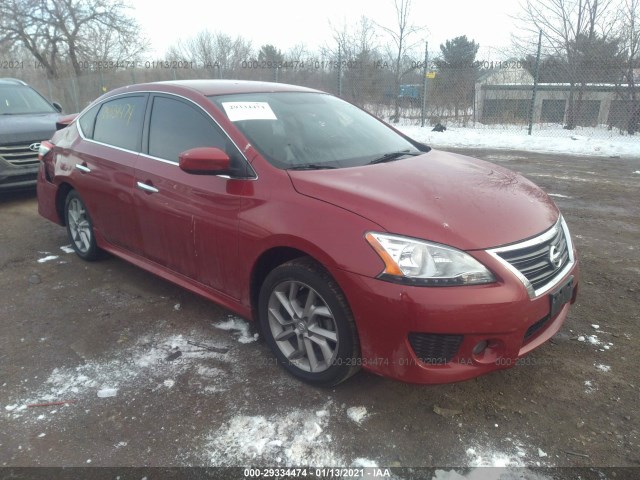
[[80, 227], [308, 324]]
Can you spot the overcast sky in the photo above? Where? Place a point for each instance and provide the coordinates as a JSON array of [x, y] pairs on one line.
[[285, 23]]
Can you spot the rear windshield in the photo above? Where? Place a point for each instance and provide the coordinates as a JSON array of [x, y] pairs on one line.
[[20, 100], [298, 128]]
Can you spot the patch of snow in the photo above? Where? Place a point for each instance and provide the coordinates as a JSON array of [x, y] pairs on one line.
[[41, 435], [541, 453], [47, 258], [107, 392], [505, 157], [169, 383], [581, 338], [595, 327], [235, 324], [486, 457], [593, 339], [357, 414], [546, 139], [637, 171], [603, 368], [209, 371], [364, 463], [295, 437], [67, 249], [589, 388], [210, 389], [140, 365]]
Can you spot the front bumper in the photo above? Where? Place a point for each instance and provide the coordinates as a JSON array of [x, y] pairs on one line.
[[397, 324]]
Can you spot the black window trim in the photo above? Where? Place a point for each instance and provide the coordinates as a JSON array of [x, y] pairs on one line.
[[252, 174]]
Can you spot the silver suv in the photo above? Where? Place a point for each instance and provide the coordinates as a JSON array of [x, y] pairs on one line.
[[26, 119]]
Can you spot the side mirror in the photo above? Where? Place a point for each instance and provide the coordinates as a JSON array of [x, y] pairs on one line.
[[57, 106], [205, 161], [64, 121]]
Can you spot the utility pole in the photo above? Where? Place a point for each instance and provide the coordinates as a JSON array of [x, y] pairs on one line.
[[423, 113], [535, 84], [339, 71]]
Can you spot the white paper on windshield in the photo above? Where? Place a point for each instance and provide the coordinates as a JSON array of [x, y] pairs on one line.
[[237, 111]]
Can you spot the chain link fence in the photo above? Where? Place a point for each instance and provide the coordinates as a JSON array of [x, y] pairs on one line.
[[529, 96]]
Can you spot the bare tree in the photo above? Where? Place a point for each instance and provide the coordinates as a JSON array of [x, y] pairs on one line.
[[358, 51], [299, 52], [403, 39], [216, 52], [568, 28], [57, 32], [111, 45], [354, 42]]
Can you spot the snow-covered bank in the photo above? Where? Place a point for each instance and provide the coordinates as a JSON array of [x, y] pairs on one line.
[[542, 141]]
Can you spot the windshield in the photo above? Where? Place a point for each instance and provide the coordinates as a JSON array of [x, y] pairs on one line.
[[313, 130], [20, 100]]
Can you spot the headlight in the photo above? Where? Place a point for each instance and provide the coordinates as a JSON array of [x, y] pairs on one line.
[[419, 262]]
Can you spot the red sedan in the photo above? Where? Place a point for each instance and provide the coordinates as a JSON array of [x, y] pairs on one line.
[[350, 244]]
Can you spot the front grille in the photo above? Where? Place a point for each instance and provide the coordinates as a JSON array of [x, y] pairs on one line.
[[435, 348], [19, 155], [533, 260]]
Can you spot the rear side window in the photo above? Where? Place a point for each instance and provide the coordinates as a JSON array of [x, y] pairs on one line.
[[176, 127], [88, 121], [119, 122]]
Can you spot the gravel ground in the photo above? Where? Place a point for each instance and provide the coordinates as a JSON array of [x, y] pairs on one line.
[[152, 375]]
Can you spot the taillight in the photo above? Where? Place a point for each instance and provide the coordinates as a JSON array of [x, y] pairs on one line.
[[45, 147]]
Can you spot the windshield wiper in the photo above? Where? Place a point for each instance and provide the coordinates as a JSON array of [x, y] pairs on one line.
[[388, 157], [311, 166]]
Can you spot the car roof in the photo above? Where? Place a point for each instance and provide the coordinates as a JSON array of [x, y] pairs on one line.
[[218, 87], [11, 81]]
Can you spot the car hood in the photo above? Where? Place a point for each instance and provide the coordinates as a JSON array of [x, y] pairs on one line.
[[27, 128], [443, 197]]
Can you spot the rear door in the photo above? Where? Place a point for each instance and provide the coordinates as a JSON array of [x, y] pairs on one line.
[[105, 165], [189, 223]]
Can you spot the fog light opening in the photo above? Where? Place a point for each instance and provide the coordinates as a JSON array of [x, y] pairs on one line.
[[480, 347]]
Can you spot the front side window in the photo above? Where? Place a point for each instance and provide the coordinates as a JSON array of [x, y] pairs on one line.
[[176, 127], [297, 128], [119, 122]]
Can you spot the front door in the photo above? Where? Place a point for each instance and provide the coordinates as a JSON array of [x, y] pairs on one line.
[[189, 222]]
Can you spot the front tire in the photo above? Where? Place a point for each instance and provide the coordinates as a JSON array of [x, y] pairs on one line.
[[308, 324], [80, 227]]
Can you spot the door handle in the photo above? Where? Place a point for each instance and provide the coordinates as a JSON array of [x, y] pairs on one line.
[[147, 188], [83, 168]]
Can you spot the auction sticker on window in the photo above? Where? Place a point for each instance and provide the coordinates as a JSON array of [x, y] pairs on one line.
[[237, 111]]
